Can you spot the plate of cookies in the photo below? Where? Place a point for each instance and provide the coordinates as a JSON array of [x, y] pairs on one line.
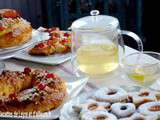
[[114, 103], [35, 93], [53, 48]]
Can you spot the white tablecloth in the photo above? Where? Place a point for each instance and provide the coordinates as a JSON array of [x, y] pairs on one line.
[[65, 70]]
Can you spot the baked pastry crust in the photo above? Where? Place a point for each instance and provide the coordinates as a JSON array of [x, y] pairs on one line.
[[59, 42], [14, 30], [42, 49], [31, 91]]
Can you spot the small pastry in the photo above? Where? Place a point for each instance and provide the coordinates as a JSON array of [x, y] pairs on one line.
[[142, 96], [150, 108], [98, 115], [42, 49], [138, 116], [59, 42], [91, 105], [111, 95], [157, 94], [123, 109]]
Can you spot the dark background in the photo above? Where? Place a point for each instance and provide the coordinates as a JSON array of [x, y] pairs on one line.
[[139, 16]]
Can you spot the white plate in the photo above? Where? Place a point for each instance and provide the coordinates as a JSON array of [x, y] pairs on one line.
[[74, 86], [36, 35], [67, 113], [50, 60], [10, 52]]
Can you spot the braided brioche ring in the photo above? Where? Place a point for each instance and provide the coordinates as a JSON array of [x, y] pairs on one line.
[[31, 91]]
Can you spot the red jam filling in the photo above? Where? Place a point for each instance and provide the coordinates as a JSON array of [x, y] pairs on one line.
[[50, 75], [66, 34], [27, 70], [49, 42], [40, 45], [13, 96], [1, 28], [64, 41], [41, 86]]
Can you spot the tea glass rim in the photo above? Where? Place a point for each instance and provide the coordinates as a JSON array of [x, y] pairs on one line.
[[157, 61]]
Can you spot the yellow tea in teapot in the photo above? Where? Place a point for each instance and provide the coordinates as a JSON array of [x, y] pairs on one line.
[[96, 59]]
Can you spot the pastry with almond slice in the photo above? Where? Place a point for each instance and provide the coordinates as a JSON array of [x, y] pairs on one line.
[[59, 42], [42, 49]]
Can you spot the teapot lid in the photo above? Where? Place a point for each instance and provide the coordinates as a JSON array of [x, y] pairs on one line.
[[95, 21]]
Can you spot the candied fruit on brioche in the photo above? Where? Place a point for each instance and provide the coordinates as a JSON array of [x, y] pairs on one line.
[[31, 91], [14, 30], [59, 42]]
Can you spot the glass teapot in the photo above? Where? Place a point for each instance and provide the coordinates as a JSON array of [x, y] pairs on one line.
[[96, 44]]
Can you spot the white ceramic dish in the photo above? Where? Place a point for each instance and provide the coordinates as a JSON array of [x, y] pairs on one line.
[[11, 51], [49, 60], [74, 86], [36, 35]]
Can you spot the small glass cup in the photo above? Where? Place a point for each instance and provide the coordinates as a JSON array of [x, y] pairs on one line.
[[143, 68]]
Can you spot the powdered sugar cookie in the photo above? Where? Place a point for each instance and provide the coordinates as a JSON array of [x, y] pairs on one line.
[[92, 105], [98, 115], [123, 109], [111, 94], [150, 108], [138, 116], [142, 96]]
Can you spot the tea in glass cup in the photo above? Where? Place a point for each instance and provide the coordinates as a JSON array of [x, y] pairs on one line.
[[143, 68]]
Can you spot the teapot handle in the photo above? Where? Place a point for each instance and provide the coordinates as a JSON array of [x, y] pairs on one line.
[[135, 37]]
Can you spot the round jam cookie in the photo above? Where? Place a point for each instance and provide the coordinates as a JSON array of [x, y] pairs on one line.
[[123, 109], [98, 115], [138, 116], [157, 94], [150, 108], [91, 105], [142, 96], [111, 94]]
